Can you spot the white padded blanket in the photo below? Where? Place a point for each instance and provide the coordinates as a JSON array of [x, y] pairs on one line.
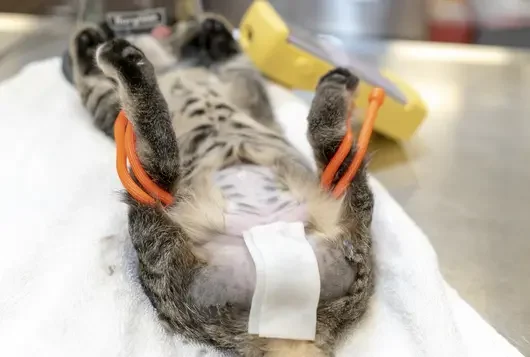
[[67, 282]]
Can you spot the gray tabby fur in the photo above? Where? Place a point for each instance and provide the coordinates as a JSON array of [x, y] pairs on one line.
[[201, 117]]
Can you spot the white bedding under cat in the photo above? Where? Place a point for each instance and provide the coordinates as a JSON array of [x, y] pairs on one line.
[[67, 282]]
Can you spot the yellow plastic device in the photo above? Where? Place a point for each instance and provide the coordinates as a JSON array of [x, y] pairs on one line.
[[290, 57]]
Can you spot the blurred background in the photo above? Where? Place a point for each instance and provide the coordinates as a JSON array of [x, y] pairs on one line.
[[463, 177], [503, 22]]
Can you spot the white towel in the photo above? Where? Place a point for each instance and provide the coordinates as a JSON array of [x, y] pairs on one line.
[[68, 284]]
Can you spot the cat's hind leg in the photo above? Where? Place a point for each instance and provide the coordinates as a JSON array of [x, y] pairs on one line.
[[96, 90], [326, 129], [145, 107], [167, 265]]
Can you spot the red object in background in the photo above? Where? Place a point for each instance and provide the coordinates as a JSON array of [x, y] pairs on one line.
[[451, 32], [161, 32], [451, 21]]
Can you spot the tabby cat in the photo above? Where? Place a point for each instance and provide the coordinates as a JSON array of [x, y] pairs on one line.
[[206, 133]]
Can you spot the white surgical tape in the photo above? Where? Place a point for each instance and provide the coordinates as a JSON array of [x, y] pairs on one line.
[[287, 289]]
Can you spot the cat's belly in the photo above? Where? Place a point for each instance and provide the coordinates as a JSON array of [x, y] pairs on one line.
[[254, 197]]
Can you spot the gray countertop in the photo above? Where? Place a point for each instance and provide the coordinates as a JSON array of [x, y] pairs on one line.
[[463, 177]]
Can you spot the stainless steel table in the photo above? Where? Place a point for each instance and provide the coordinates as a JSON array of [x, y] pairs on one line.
[[464, 178]]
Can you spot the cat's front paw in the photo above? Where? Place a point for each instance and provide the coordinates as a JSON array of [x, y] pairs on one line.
[[212, 42], [83, 48], [218, 39], [340, 76]]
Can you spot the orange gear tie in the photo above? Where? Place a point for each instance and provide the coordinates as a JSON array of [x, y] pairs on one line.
[[126, 150], [151, 192], [375, 101]]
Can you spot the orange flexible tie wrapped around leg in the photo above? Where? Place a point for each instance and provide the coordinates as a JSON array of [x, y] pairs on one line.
[[121, 163], [152, 188], [342, 152], [376, 99], [126, 150]]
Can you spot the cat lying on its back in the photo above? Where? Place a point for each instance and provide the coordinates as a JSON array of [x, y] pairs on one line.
[[207, 134]]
